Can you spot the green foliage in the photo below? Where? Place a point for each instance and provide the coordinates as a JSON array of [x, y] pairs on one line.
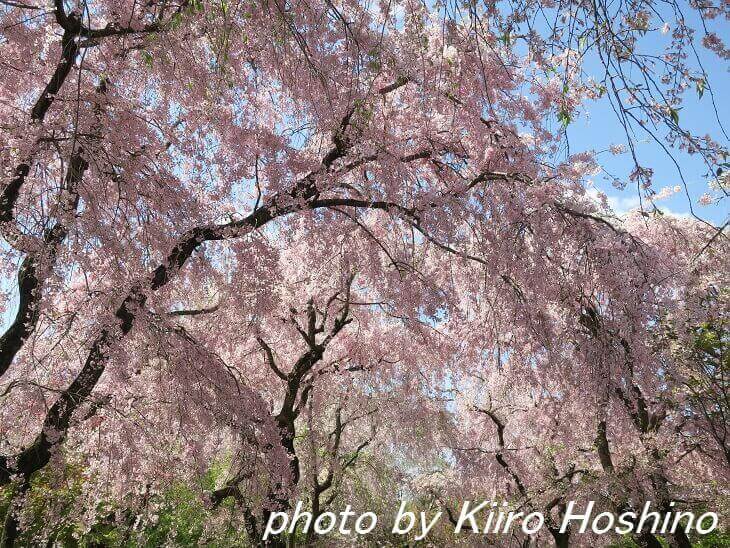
[[700, 87], [716, 539], [147, 58], [674, 113], [564, 117], [179, 517]]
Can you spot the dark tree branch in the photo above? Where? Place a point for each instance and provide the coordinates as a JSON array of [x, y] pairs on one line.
[[34, 268]]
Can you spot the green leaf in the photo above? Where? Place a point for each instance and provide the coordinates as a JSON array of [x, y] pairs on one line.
[[700, 87], [176, 20], [564, 117], [674, 113]]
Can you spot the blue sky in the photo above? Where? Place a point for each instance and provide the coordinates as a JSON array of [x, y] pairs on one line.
[[599, 128]]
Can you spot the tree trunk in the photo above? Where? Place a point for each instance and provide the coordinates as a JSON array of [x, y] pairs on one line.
[[562, 540], [679, 540], [647, 540]]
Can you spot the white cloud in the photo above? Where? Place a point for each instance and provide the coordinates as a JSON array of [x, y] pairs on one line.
[[623, 204], [620, 205]]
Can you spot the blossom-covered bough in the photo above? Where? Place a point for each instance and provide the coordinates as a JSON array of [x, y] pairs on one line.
[[190, 191]]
